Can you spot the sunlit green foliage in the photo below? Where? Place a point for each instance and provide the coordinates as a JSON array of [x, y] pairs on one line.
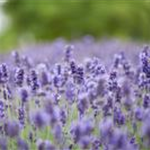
[[44, 20]]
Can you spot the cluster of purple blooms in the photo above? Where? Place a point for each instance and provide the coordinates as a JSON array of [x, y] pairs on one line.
[[71, 105]]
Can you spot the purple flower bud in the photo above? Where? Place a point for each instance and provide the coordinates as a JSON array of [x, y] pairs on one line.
[[12, 129], [3, 144], [24, 95], [85, 142], [106, 129], [22, 145], [106, 110], [112, 83], [7, 93], [49, 146], [92, 90], [83, 103], [119, 117], [44, 79], [19, 77], [79, 76], [146, 132], [144, 58], [146, 101], [4, 73], [73, 67], [113, 75], [68, 52], [2, 110], [40, 145], [40, 119], [70, 92], [101, 87], [34, 80], [58, 69], [63, 116], [127, 68], [118, 94], [30, 136], [117, 60], [119, 140], [81, 129], [126, 89], [57, 131], [139, 114], [26, 62], [21, 116], [96, 143], [132, 140], [76, 132], [16, 57], [59, 81], [44, 145]]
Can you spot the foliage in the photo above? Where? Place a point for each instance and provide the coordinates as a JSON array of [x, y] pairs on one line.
[[44, 20]]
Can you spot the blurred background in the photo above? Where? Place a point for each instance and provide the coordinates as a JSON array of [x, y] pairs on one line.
[[24, 22]]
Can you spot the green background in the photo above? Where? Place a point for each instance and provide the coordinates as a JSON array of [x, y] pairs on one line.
[[46, 20]]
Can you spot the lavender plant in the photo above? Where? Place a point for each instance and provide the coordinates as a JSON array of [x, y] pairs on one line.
[[72, 105]]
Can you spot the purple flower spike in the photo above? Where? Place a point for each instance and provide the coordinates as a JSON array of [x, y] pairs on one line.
[[4, 75], [16, 57], [40, 119], [21, 114], [106, 130], [3, 144], [44, 79], [83, 103], [146, 101], [85, 142], [144, 57], [139, 114], [12, 129], [49, 146], [24, 95], [119, 117], [57, 131], [40, 145], [119, 140], [96, 143], [22, 145], [2, 110], [19, 77], [68, 52], [73, 67], [44, 145], [34, 81]]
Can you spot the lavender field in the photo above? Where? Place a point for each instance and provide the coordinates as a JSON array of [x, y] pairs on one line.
[[82, 95]]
